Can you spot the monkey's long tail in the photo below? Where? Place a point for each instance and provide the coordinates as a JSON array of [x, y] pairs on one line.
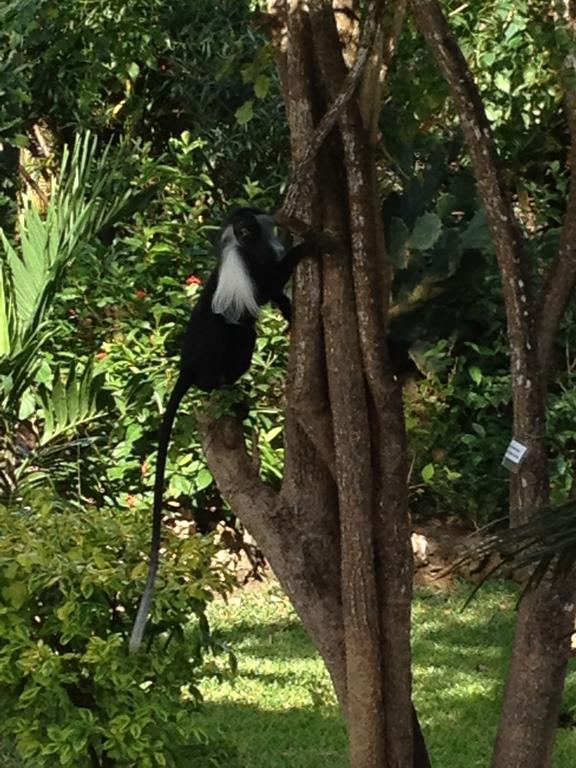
[[180, 389]]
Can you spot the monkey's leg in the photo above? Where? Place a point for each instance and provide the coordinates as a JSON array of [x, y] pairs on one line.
[[284, 305]]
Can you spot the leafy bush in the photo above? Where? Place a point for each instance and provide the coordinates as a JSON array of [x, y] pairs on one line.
[[89, 194], [70, 694], [459, 420]]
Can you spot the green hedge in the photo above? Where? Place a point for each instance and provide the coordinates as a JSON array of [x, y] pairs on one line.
[[70, 695]]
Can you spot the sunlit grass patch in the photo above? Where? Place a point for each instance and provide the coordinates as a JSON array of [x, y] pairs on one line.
[[279, 709]]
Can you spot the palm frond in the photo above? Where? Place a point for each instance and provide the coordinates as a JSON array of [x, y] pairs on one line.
[[547, 541], [6, 315], [89, 194], [70, 404]]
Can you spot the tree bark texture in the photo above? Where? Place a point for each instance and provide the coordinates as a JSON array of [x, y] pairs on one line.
[[337, 535], [545, 617]]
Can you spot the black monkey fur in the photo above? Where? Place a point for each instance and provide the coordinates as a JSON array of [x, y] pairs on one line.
[[220, 337]]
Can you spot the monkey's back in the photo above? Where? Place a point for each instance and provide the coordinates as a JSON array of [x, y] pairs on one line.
[[214, 351]]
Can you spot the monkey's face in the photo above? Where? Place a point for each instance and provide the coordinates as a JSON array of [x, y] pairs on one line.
[[254, 232], [270, 241], [247, 230]]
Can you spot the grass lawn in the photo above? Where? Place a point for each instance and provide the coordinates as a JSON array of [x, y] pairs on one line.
[[279, 710]]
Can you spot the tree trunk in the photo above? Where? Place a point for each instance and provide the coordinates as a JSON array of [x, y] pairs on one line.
[[337, 535]]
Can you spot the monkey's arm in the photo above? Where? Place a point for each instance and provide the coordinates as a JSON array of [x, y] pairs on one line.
[[284, 305], [283, 270]]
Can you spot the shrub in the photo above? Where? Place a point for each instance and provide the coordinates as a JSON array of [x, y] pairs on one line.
[[70, 694], [459, 423]]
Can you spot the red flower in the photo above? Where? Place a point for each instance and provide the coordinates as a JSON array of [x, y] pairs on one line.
[[140, 294], [193, 280], [131, 501]]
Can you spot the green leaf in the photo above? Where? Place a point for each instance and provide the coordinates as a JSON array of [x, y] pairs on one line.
[[16, 594], [6, 309], [502, 82], [133, 71], [475, 374], [428, 473], [27, 405], [67, 406], [272, 433], [398, 237], [58, 402], [447, 203], [203, 479], [425, 233], [261, 86], [20, 140], [477, 234], [245, 113], [479, 429]]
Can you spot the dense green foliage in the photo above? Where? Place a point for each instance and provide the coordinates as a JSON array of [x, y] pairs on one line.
[[192, 89], [91, 65], [70, 580], [446, 283]]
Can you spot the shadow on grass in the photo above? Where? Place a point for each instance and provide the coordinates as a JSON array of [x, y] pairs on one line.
[[292, 738], [460, 667], [460, 661], [261, 639]]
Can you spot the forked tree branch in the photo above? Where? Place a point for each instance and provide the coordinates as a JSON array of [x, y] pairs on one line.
[[561, 276], [236, 474], [263, 511], [329, 119], [374, 81], [495, 195]]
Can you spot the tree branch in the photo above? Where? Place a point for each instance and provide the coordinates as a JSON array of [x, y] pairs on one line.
[[329, 119], [31, 181], [529, 487], [487, 170], [561, 276], [383, 50], [297, 546], [307, 399], [237, 477]]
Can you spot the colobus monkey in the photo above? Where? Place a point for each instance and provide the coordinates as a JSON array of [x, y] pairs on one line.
[[219, 339]]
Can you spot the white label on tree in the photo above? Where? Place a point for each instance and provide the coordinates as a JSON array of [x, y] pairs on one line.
[[514, 456]]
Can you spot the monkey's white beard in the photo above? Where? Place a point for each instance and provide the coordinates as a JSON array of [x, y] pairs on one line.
[[235, 293]]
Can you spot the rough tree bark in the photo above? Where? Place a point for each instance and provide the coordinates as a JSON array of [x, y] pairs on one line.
[[538, 666], [337, 535]]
